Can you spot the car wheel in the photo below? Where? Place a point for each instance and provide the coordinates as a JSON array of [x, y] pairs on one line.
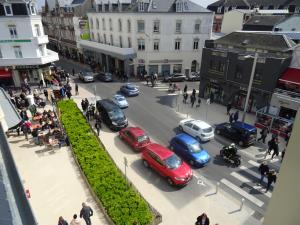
[[181, 128], [170, 181], [146, 164], [241, 143], [218, 131]]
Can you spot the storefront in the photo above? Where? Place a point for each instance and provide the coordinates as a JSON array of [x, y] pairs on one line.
[[239, 100], [214, 91], [6, 78]]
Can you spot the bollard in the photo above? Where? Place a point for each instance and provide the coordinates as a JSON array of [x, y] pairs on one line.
[[217, 187], [242, 203]]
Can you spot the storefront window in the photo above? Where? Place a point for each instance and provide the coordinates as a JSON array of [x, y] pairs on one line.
[[177, 68]]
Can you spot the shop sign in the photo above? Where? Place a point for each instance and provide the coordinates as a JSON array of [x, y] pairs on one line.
[[15, 41], [84, 29], [27, 67]]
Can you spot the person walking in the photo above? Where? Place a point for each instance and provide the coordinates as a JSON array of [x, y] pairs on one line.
[[231, 117], [69, 94], [185, 97], [62, 221], [73, 72], [194, 93], [236, 116], [275, 148], [199, 102], [86, 212], [271, 144], [272, 177], [282, 154], [185, 88], [193, 99], [46, 94], [83, 105], [202, 219], [264, 170], [76, 89], [75, 220], [228, 108], [263, 134], [98, 126], [25, 130]]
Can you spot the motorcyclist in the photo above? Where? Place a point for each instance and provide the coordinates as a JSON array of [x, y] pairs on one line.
[[230, 151]]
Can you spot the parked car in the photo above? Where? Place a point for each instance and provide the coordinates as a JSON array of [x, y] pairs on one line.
[[242, 133], [175, 77], [111, 114], [86, 76], [121, 101], [135, 137], [189, 149], [201, 130], [194, 76], [167, 164], [106, 77], [129, 89]]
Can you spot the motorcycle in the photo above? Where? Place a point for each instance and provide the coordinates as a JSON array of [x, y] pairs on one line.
[[229, 154]]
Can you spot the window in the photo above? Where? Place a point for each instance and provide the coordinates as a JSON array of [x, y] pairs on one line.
[[97, 23], [258, 75], [32, 9], [103, 24], [221, 66], [91, 22], [129, 42], [121, 42], [98, 37], [177, 44], [111, 40], [41, 52], [18, 52], [196, 44], [238, 72], [13, 31], [120, 25], [156, 27], [197, 27], [8, 10], [196, 128], [141, 26], [104, 37], [178, 27], [141, 44], [93, 36], [37, 30], [128, 26], [219, 10], [156, 45], [177, 68], [110, 25], [179, 6], [141, 6], [1, 56]]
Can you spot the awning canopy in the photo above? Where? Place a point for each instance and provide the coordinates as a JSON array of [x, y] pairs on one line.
[[291, 76], [5, 74]]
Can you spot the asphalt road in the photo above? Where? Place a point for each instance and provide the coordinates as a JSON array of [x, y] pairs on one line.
[[153, 111]]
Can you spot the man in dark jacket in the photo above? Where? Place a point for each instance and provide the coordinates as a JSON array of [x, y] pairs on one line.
[[272, 177], [264, 170], [263, 134], [85, 213], [202, 220]]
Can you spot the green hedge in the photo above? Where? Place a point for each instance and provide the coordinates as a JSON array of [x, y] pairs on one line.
[[124, 205]]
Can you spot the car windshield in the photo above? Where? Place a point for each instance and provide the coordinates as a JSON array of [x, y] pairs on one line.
[[142, 138], [173, 162], [177, 75], [116, 114], [195, 147], [120, 98], [130, 87], [207, 130], [88, 74]]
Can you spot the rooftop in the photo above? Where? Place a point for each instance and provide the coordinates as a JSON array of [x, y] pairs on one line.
[[284, 3], [265, 20]]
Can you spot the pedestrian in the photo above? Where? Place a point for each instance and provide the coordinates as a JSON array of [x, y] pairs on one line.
[[275, 148], [185, 88], [25, 130], [193, 99], [236, 116], [231, 115], [229, 106], [199, 102], [76, 89], [264, 170], [194, 93], [202, 219], [98, 126], [85, 213], [62, 221], [73, 72], [282, 154], [41, 84], [69, 94], [185, 97], [46, 94], [272, 177], [75, 220], [10, 92], [287, 138], [83, 105], [212, 97], [23, 115], [263, 134]]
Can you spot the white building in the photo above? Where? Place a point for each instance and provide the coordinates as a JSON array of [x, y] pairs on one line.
[[157, 36], [23, 52]]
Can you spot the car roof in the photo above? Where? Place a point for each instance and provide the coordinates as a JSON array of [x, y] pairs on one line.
[[108, 104], [136, 131], [118, 96], [185, 138], [159, 150], [244, 126], [201, 124]]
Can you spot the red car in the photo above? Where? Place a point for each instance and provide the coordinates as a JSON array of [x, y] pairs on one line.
[[167, 164], [135, 137]]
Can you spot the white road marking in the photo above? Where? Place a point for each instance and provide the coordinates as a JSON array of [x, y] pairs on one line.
[[250, 172], [240, 177], [253, 163], [243, 193], [259, 188]]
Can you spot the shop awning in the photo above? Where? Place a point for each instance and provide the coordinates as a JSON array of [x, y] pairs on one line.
[[291, 76], [5, 74]]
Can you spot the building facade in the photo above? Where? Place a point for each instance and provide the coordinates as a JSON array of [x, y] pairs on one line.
[[144, 36], [23, 51], [227, 63]]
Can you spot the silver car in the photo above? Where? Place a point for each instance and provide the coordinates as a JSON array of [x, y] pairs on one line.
[[86, 76]]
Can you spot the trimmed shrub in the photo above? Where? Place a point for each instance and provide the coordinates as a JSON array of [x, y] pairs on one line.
[[123, 205]]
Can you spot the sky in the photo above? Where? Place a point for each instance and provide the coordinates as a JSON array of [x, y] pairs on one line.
[[203, 3]]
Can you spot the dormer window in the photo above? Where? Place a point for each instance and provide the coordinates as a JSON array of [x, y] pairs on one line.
[[179, 6], [8, 9], [110, 6], [32, 9], [141, 6], [186, 8]]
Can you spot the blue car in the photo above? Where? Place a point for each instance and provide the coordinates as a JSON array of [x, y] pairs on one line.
[[129, 90], [190, 150]]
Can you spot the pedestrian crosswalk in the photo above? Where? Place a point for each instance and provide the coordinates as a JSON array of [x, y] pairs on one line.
[[164, 87]]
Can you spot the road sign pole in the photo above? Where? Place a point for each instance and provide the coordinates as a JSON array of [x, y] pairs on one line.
[[125, 165]]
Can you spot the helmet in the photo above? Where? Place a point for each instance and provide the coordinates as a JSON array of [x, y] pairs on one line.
[[232, 145]]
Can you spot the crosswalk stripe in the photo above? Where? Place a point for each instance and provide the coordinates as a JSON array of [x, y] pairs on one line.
[[253, 163], [240, 177], [242, 193], [250, 172], [172, 94], [268, 194]]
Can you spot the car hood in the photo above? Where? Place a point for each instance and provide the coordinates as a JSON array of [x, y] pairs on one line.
[[88, 77], [202, 155], [123, 102], [185, 120], [182, 171]]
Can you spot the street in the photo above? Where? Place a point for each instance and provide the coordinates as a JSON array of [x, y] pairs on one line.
[[154, 110]]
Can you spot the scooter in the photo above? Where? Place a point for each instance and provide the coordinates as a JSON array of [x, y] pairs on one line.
[[233, 159]]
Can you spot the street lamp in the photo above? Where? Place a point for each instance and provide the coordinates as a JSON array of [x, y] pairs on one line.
[[250, 83]]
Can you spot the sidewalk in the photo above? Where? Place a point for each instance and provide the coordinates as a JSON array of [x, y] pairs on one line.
[[221, 208], [54, 181]]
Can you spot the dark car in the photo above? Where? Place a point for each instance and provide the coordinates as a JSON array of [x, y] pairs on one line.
[[106, 77], [129, 90], [111, 114], [175, 77], [242, 133], [194, 76]]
